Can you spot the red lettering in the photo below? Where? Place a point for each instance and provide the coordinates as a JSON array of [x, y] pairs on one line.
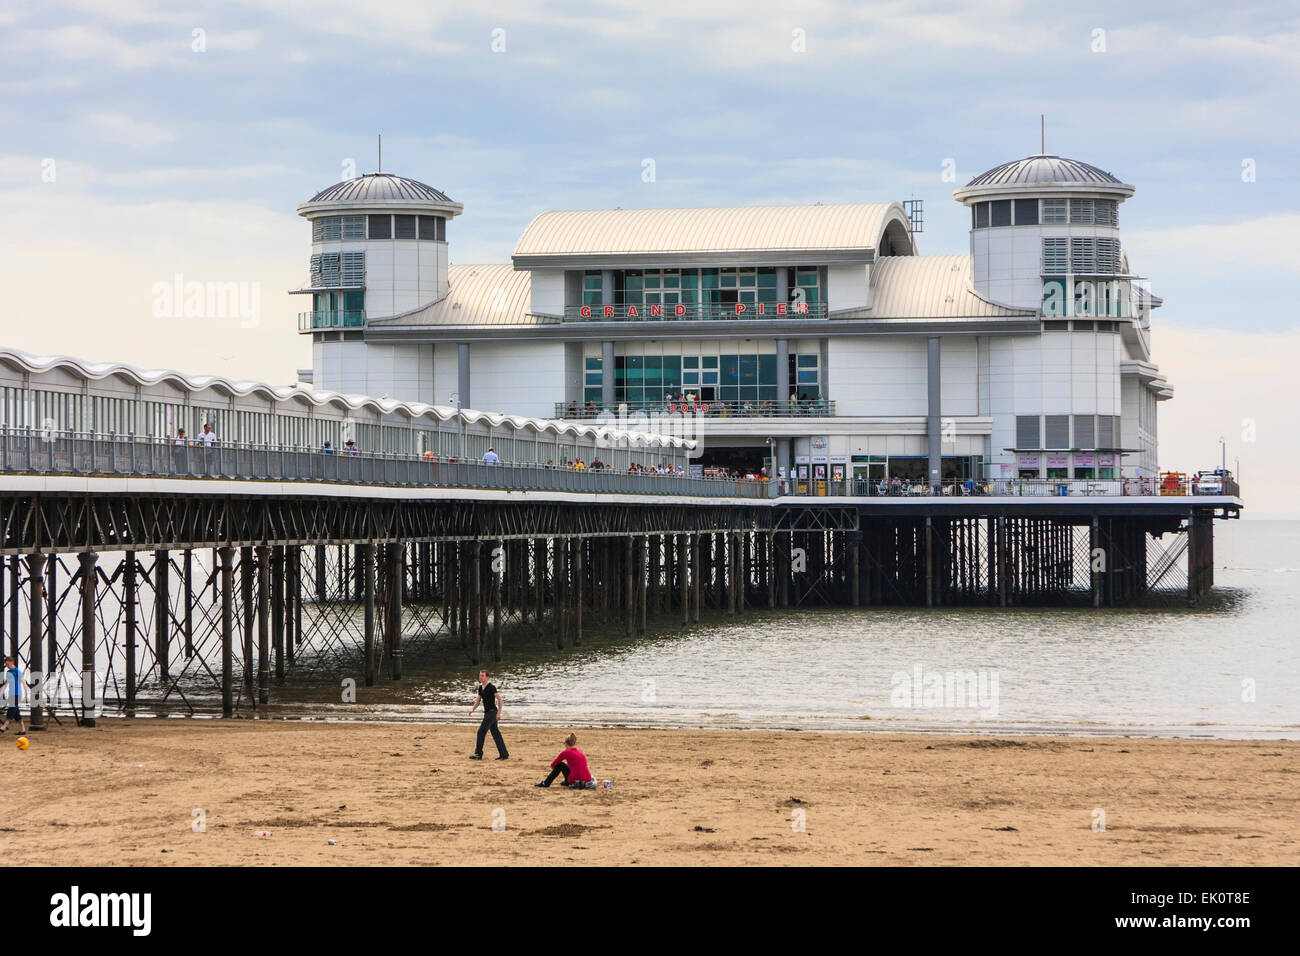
[[656, 310], [780, 308], [609, 311], [762, 310], [801, 308], [680, 310], [740, 307], [632, 313], [585, 312]]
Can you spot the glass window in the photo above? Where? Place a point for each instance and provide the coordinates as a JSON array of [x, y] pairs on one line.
[[808, 361], [1001, 212], [381, 227], [1026, 212], [404, 227], [354, 227], [593, 363], [428, 227], [690, 361], [730, 369], [767, 370], [981, 215], [709, 361]]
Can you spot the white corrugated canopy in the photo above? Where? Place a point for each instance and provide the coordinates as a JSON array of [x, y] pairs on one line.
[[927, 287], [495, 294]]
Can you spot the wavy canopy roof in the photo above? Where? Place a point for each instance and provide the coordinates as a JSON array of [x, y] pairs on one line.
[[54, 365]]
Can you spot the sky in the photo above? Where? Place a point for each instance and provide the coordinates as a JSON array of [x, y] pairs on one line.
[[143, 141]]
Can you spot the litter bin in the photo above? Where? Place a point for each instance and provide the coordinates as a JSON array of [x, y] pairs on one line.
[[1063, 491]]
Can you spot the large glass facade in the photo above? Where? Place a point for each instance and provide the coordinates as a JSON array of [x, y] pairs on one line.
[[712, 372], [716, 288]]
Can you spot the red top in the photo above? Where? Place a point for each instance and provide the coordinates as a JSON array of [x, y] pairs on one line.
[[577, 761]]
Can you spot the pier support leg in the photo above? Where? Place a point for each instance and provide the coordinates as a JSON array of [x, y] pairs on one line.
[[277, 611], [475, 603], [367, 555], [629, 600], [263, 624], [131, 628], [162, 612], [246, 599], [579, 546], [499, 555], [226, 560], [393, 625], [697, 569], [89, 697]]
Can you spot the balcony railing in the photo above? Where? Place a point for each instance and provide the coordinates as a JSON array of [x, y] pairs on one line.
[[693, 313], [27, 451], [813, 408], [333, 319]]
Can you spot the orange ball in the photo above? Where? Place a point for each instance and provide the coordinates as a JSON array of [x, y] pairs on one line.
[[22, 743]]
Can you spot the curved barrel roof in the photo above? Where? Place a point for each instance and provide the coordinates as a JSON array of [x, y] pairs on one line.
[[711, 231]]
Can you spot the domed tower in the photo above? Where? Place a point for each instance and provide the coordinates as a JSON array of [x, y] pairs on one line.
[[378, 249], [1045, 235]]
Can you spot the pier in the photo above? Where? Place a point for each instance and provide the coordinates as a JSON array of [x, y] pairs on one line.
[[145, 576]]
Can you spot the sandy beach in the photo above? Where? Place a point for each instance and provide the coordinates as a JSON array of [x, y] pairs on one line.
[[277, 793]]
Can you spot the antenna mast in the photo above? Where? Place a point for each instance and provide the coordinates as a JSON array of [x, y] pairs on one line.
[[1042, 133], [381, 153]]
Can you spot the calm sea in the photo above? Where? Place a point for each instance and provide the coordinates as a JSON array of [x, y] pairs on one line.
[[1228, 669]]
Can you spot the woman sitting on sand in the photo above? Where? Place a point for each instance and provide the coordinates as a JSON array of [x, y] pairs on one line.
[[571, 762]]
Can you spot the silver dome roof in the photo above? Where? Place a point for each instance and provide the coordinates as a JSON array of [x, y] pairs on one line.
[[380, 187], [1043, 168]]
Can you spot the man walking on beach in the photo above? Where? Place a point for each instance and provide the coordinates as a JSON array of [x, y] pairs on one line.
[[13, 696], [492, 707]]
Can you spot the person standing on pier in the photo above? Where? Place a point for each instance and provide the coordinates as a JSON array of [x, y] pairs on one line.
[[13, 696], [490, 698]]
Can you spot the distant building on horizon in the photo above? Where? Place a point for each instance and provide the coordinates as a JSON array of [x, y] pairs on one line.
[[816, 335]]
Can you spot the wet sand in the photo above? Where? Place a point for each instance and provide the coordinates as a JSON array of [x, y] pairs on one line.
[[125, 793]]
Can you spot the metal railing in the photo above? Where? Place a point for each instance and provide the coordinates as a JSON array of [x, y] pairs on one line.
[[622, 312], [37, 452], [818, 408], [1030, 488], [332, 319]]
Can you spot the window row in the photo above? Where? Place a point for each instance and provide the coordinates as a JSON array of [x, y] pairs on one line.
[[402, 226], [1033, 212], [728, 378], [721, 286]]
